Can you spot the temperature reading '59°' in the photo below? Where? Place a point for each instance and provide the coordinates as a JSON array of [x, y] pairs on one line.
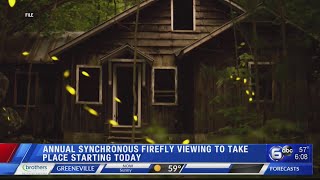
[[174, 168], [303, 149]]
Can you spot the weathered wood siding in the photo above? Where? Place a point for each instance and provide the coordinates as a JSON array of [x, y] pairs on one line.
[[208, 59], [74, 117], [43, 120], [156, 39], [155, 36]]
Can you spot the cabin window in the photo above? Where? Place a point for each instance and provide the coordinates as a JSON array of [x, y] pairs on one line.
[[265, 80], [89, 84], [164, 83], [21, 88], [182, 14]]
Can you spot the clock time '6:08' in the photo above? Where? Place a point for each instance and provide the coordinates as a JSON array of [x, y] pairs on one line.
[[301, 156]]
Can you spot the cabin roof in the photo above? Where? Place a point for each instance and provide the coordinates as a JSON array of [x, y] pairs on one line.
[[116, 19], [37, 45], [230, 24], [123, 49]]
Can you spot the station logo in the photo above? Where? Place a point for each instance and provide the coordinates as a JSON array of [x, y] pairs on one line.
[[277, 153]]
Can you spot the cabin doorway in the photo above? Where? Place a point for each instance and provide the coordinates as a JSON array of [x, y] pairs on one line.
[[122, 89]]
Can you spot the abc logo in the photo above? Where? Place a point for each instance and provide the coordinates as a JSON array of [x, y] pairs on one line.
[[276, 153], [287, 150]]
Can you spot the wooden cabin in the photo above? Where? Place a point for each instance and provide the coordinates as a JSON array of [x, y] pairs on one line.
[[175, 40]]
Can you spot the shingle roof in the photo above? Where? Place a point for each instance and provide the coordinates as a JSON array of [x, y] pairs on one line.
[[37, 45]]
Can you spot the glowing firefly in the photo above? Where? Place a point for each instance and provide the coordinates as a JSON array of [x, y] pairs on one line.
[[11, 2], [25, 53], [187, 141], [244, 80], [70, 89], [66, 73], [54, 58], [85, 73], [113, 122], [150, 140], [117, 100], [91, 111]]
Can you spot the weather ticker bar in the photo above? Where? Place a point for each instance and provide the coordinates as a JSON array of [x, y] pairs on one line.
[[143, 159]]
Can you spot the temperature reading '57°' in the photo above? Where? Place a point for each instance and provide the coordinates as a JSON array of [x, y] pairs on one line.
[[174, 168], [303, 149]]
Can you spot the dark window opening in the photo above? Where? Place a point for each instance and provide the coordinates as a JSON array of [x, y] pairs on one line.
[[183, 15], [21, 92], [265, 81], [165, 86], [89, 86]]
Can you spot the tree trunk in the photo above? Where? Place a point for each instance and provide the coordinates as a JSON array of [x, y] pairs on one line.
[[134, 74], [255, 62], [285, 90], [115, 7], [26, 112], [252, 5], [98, 6], [236, 55]]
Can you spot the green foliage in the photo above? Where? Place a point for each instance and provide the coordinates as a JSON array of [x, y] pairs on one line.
[[223, 76], [60, 16], [238, 116], [10, 121], [243, 125], [279, 130], [230, 75], [83, 16], [274, 131], [305, 13], [157, 133], [27, 139], [245, 57]]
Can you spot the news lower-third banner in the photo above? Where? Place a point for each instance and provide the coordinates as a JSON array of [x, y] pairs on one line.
[[151, 159]]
